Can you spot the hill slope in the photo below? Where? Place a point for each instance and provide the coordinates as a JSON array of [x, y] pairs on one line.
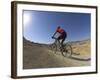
[[37, 55]]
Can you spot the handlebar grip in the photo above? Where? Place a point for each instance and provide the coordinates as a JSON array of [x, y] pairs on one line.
[[53, 37]]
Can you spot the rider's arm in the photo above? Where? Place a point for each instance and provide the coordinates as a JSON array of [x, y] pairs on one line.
[[54, 34]]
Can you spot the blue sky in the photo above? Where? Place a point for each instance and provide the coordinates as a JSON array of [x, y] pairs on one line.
[[42, 24]]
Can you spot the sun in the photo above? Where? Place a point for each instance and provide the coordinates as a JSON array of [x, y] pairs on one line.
[[26, 18]]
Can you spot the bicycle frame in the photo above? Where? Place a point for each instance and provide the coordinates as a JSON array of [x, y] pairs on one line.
[[68, 47], [56, 40]]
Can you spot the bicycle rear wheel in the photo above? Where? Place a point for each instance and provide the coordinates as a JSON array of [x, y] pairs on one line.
[[67, 50]]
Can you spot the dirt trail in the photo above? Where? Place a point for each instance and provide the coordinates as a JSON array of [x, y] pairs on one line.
[[38, 56]]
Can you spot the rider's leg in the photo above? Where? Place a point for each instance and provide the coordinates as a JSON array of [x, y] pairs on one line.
[[59, 41], [62, 42], [59, 37], [63, 39]]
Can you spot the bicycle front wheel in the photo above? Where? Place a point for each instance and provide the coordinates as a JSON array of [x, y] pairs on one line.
[[54, 48], [67, 51]]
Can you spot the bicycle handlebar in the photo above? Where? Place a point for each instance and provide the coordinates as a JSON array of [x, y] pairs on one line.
[[54, 37]]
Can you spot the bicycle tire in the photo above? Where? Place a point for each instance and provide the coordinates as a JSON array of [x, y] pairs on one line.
[[67, 50], [54, 48]]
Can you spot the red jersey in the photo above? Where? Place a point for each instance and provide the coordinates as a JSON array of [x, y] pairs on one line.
[[60, 30]]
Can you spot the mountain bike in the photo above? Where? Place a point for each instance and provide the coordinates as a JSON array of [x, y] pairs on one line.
[[66, 49]]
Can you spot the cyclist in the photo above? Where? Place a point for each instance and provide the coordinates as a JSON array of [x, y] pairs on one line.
[[62, 35]]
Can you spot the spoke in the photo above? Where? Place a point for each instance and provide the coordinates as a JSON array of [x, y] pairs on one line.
[[67, 51]]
